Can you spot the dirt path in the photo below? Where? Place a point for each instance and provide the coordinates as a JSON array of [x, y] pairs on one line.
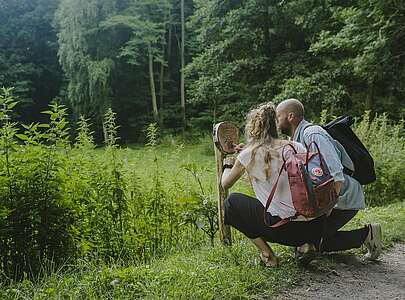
[[351, 278]]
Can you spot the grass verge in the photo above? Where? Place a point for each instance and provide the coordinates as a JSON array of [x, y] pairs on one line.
[[207, 273]]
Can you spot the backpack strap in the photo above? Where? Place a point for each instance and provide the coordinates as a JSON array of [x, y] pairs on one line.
[[271, 196], [273, 190], [346, 171], [321, 160], [293, 149]]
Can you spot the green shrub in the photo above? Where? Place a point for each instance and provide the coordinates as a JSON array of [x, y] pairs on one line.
[[61, 201], [206, 273], [386, 143], [95, 189], [34, 223]]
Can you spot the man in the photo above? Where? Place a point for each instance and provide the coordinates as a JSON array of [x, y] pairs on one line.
[[290, 116]]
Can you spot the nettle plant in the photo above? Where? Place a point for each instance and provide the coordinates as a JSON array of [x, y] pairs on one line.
[[114, 187], [201, 206], [96, 188], [386, 142], [157, 223], [8, 130], [34, 225]]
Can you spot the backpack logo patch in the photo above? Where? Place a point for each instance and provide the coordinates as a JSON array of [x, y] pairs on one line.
[[318, 172]]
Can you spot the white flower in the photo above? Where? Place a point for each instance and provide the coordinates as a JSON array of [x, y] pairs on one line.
[[115, 282]]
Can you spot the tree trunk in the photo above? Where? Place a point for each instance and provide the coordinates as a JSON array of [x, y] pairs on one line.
[[169, 47], [169, 42], [105, 135], [215, 111], [152, 86], [370, 100], [162, 74], [266, 29], [183, 97], [161, 88]]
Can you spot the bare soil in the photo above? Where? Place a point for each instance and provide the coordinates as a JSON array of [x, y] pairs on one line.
[[352, 278]]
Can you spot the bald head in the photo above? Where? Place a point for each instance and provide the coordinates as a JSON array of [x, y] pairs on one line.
[[290, 113], [292, 106]]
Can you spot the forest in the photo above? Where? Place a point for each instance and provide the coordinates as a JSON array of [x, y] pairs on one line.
[[108, 182], [187, 64]]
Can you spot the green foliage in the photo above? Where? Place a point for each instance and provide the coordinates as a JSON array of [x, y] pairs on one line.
[[146, 21], [318, 91], [386, 143], [122, 209], [110, 129], [98, 197], [34, 226], [85, 55], [152, 133], [202, 208], [84, 138], [362, 47], [60, 202], [331, 55], [28, 54], [227, 74], [7, 129], [206, 273]]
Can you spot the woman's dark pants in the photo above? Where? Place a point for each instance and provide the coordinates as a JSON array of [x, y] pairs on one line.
[[246, 214]]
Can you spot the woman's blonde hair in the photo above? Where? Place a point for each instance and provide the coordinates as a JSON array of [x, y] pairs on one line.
[[261, 124], [261, 131]]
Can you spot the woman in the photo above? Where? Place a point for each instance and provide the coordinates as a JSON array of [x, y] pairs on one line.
[[261, 158]]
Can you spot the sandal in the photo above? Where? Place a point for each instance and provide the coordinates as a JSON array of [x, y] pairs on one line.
[[304, 258]]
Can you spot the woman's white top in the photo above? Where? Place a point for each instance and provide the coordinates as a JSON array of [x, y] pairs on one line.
[[281, 204]]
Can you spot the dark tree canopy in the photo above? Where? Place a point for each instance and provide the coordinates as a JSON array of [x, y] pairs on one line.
[[127, 55], [28, 54]]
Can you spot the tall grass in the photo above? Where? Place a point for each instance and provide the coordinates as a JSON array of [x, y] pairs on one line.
[[386, 143], [72, 202], [60, 201], [204, 273]]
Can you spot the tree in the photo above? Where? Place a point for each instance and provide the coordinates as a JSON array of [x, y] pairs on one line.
[[240, 42], [182, 85], [85, 53], [147, 22], [28, 60], [363, 48], [332, 55]]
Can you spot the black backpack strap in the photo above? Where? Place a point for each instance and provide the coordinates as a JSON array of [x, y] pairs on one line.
[[347, 171]]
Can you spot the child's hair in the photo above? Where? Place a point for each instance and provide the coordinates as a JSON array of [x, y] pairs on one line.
[[261, 131]]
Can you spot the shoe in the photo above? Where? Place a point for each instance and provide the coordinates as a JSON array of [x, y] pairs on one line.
[[373, 241], [304, 258]]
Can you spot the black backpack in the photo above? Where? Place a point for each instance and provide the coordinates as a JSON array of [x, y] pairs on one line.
[[340, 130]]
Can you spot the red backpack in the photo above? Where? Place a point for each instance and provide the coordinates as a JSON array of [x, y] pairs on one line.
[[312, 187]]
